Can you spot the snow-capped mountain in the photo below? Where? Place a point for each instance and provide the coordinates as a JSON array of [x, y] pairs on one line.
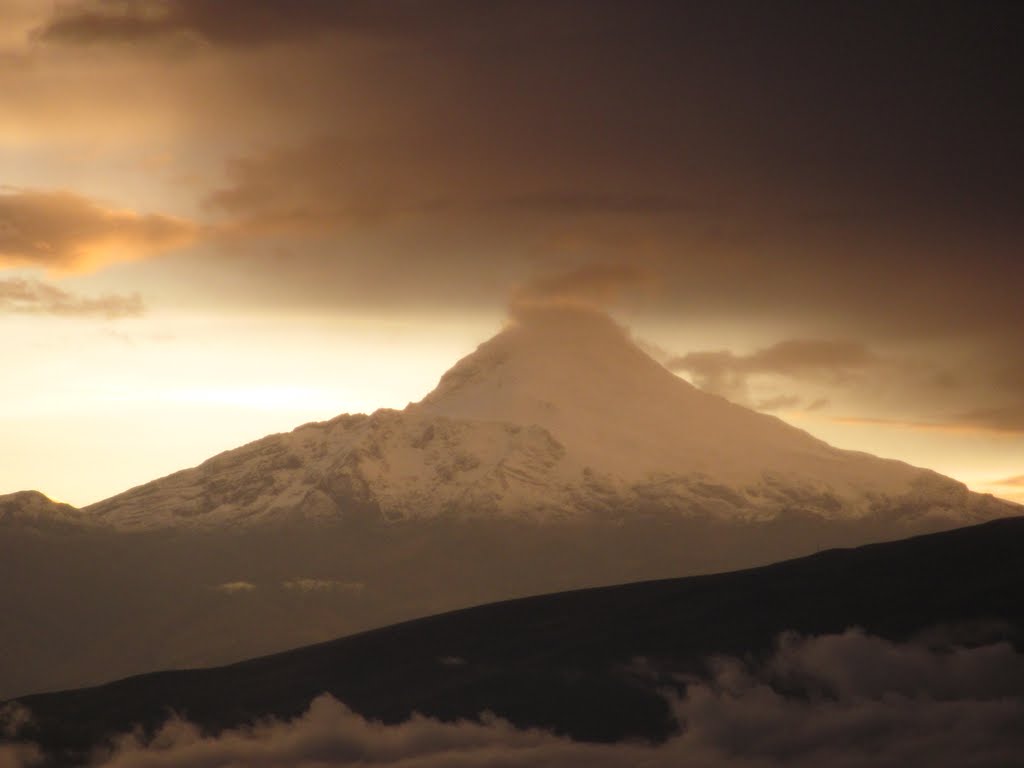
[[556, 456], [560, 416]]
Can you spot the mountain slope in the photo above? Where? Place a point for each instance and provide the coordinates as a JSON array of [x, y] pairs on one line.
[[560, 416], [580, 376], [562, 661], [34, 509], [557, 456]]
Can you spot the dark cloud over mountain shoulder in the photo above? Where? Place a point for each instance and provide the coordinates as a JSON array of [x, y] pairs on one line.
[[238, 23], [63, 231], [31, 297], [848, 699], [792, 357], [1006, 418], [853, 366], [1002, 419], [726, 373], [447, 175], [230, 22]]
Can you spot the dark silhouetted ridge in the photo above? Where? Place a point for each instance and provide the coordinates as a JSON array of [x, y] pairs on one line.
[[558, 661]]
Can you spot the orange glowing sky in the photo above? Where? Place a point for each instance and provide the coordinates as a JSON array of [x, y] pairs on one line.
[[220, 219]]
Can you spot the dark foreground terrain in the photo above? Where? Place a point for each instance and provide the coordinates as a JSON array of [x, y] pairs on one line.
[[84, 605], [568, 662]]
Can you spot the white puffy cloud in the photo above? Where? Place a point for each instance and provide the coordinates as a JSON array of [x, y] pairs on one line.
[[13, 717], [235, 587], [849, 700], [303, 584]]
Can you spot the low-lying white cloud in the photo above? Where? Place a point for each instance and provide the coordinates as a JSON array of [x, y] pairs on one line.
[[235, 587], [324, 585], [849, 700], [13, 717], [19, 756]]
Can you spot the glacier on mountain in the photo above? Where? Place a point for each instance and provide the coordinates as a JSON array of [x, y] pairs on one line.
[[561, 416]]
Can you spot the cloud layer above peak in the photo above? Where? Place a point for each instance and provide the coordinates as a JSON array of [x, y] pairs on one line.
[[65, 232]]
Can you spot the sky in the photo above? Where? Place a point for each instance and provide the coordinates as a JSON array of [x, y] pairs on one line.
[[225, 218]]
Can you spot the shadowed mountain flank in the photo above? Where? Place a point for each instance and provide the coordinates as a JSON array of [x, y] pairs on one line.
[[569, 662]]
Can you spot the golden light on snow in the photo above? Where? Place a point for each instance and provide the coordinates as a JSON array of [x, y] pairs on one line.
[[115, 408]]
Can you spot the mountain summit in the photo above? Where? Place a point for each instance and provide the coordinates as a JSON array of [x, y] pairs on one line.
[[559, 416], [556, 456], [580, 376]]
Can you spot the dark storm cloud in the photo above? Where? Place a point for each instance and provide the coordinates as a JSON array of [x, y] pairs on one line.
[[849, 700], [929, 389], [31, 297], [334, 184], [726, 373], [63, 231], [227, 22], [117, 21], [1007, 418], [852, 168], [793, 125], [819, 161], [248, 23]]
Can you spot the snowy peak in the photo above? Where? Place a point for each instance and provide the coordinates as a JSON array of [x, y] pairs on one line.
[[561, 416], [579, 375], [553, 355], [388, 465]]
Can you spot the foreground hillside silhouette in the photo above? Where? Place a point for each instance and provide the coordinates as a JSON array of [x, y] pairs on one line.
[[563, 662]]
